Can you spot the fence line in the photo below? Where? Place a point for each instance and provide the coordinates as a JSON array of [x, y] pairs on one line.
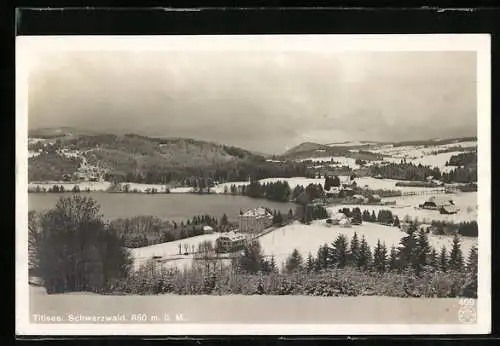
[[425, 192]]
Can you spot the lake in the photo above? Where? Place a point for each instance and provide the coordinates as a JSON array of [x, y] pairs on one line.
[[174, 207]]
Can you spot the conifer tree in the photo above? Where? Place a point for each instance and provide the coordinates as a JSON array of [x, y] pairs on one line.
[[396, 221], [374, 217], [272, 265], [365, 255], [393, 258], [434, 259], [251, 259], [380, 257], [322, 258], [408, 249], [310, 263], [290, 215], [456, 256], [339, 252], [275, 220], [472, 260], [279, 218], [294, 261], [470, 287], [423, 252], [366, 216], [443, 259], [224, 221], [356, 216], [354, 250]]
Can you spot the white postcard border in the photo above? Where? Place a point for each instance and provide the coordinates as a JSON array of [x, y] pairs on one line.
[[29, 47]]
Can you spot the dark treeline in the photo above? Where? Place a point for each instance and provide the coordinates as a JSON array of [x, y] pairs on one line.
[[412, 172], [139, 231], [461, 175], [312, 191], [463, 159], [405, 171], [221, 173], [278, 191], [467, 228], [51, 166]]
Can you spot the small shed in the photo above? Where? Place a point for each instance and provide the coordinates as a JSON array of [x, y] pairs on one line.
[[448, 209]]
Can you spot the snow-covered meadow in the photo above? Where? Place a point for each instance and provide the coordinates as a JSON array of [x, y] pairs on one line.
[[170, 251], [419, 150], [408, 206], [308, 238]]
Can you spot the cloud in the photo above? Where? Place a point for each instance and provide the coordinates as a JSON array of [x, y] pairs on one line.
[[261, 101]]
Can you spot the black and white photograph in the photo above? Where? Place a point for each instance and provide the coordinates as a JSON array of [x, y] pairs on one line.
[[271, 184]]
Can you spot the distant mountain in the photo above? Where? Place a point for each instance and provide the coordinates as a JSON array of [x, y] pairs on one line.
[[436, 141], [360, 149], [122, 155], [59, 132], [305, 147]]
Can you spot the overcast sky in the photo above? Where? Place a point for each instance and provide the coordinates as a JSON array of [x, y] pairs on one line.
[[263, 101]]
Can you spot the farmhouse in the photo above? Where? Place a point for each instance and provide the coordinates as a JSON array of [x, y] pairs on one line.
[[448, 209], [255, 220], [436, 203], [230, 241]]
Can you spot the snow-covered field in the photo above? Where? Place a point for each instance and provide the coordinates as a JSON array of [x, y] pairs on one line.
[[438, 160], [415, 154], [170, 250], [419, 150], [241, 309], [408, 205], [308, 238], [387, 184]]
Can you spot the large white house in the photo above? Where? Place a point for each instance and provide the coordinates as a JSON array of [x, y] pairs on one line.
[[231, 241], [255, 220]]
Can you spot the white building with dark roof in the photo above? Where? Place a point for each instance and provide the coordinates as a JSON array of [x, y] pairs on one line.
[[231, 241], [436, 203], [255, 220]]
